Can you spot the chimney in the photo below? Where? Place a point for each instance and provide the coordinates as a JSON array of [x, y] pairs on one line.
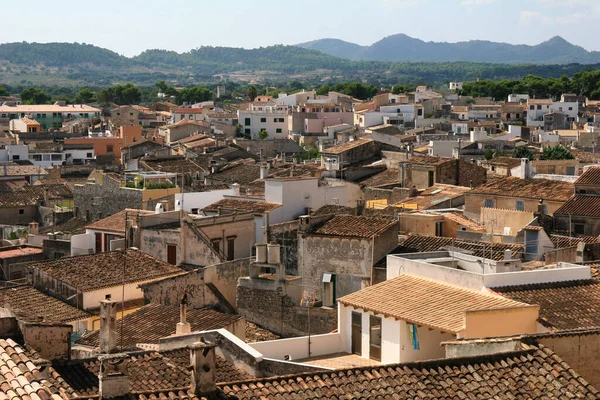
[[304, 223], [108, 326], [236, 189], [525, 171], [202, 359], [360, 207], [165, 205], [264, 170], [266, 230], [113, 378], [34, 228], [542, 208], [508, 255], [183, 326], [46, 197], [273, 253], [413, 191], [403, 173]]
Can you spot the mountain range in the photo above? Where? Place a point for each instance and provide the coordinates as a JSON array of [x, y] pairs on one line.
[[326, 61], [401, 47]]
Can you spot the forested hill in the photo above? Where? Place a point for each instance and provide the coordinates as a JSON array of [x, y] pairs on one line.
[[81, 64], [405, 48]]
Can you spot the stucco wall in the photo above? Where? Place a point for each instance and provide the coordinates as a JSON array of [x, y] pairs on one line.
[[225, 276], [169, 291], [155, 241], [51, 341], [475, 202], [496, 220], [501, 322]]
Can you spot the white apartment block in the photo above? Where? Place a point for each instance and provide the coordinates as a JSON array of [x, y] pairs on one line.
[[271, 118]]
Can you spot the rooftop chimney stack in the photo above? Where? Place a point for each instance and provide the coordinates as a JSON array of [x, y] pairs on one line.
[[34, 228], [108, 326], [264, 170], [113, 377], [202, 359], [525, 171], [236, 189], [183, 327]]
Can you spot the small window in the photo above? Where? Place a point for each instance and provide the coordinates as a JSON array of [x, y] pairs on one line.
[[109, 148], [89, 155], [570, 108], [489, 203], [520, 206], [539, 107], [247, 131], [118, 113], [439, 231], [231, 248], [532, 107], [21, 211], [172, 254], [571, 171], [263, 120], [216, 244], [131, 114], [278, 130], [579, 229], [247, 121]]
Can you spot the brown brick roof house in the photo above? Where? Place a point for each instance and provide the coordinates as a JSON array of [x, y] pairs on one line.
[[563, 305], [424, 244], [116, 222], [30, 304], [526, 188], [231, 205], [532, 373], [171, 164], [155, 321], [101, 270]]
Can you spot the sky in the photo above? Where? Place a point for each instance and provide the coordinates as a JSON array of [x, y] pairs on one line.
[[132, 26]]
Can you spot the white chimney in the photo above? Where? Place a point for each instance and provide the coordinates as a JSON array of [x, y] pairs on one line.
[[203, 366], [264, 170], [159, 208], [525, 171], [508, 255], [108, 326], [273, 253], [236, 189]]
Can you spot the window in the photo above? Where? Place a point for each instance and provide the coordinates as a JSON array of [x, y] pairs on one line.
[[375, 337], [532, 107], [278, 130], [489, 203], [21, 211], [109, 148], [571, 171], [539, 107], [131, 114], [118, 113], [89, 155], [579, 229], [431, 178], [570, 108], [56, 157], [520, 206], [263, 120], [439, 231], [16, 157], [247, 131], [172, 254], [247, 121], [420, 112], [216, 244], [231, 248], [275, 119], [281, 120]]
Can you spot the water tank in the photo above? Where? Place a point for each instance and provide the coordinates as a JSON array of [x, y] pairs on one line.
[[261, 253], [274, 253]]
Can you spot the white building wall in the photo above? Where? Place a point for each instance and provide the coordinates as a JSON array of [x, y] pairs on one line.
[[200, 199], [270, 124], [132, 291], [429, 341]]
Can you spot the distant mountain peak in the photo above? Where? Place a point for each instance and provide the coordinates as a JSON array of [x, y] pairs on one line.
[[401, 47]]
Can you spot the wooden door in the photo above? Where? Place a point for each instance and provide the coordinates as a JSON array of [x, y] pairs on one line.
[[357, 333]]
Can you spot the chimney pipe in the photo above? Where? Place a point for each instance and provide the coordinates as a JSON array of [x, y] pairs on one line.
[[202, 359], [34, 228], [183, 326], [113, 378], [108, 326]]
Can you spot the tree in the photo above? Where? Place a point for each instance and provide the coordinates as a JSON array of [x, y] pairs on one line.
[[34, 95], [323, 90], [523, 152], [120, 94], [558, 152], [165, 89], [85, 96], [397, 89], [194, 94], [263, 134], [488, 154], [252, 93], [3, 91]]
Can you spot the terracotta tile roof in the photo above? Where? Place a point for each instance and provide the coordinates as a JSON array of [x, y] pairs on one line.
[[589, 177], [188, 110], [581, 205], [428, 160], [435, 195], [20, 378], [255, 333], [503, 161], [184, 122], [526, 188], [387, 177], [355, 226], [172, 164], [155, 321], [534, 373], [423, 244], [32, 305], [460, 219], [73, 226], [97, 271], [116, 222], [332, 209], [425, 302], [563, 305], [539, 101], [230, 205], [11, 252], [568, 241], [460, 108], [347, 146]]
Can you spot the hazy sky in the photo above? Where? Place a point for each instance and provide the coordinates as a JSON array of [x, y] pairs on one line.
[[131, 26]]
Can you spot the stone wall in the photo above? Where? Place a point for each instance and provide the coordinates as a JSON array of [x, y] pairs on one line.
[[470, 174], [56, 248], [52, 341], [286, 235], [225, 276], [277, 313], [96, 201], [18, 215]]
